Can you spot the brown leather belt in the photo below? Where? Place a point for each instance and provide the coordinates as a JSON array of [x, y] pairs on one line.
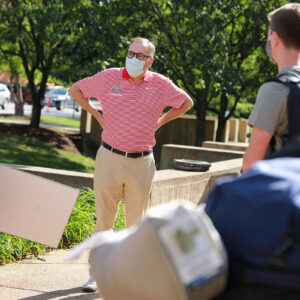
[[127, 154]]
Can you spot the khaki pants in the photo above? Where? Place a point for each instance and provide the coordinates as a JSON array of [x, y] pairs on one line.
[[118, 177]]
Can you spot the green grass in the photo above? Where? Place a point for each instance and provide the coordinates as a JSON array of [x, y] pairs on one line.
[[52, 120], [80, 226], [28, 151], [63, 121]]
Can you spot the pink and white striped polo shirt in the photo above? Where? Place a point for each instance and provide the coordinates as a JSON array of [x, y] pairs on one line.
[[131, 111]]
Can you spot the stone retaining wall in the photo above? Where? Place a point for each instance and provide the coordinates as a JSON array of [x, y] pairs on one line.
[[167, 185], [192, 186]]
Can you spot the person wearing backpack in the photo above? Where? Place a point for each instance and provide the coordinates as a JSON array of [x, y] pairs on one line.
[[270, 116], [257, 216]]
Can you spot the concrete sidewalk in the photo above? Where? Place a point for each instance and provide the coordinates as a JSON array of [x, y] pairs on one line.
[[46, 277]]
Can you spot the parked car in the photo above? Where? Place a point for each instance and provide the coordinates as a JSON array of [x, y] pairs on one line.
[[70, 103], [27, 95], [4, 95], [58, 97]]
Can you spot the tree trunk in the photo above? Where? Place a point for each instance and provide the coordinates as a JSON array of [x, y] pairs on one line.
[[221, 117], [221, 126], [19, 101], [19, 109], [37, 97], [36, 105], [200, 128], [201, 109], [36, 112], [12, 91]]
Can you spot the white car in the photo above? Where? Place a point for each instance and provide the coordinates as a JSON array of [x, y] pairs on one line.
[[4, 95], [70, 103], [58, 97]]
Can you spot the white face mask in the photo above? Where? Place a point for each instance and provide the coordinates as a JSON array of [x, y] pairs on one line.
[[269, 51], [134, 66]]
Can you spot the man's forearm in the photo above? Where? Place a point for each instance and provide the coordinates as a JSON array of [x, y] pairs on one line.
[[175, 113], [76, 93]]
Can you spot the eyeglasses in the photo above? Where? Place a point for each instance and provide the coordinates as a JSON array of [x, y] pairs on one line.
[[139, 56]]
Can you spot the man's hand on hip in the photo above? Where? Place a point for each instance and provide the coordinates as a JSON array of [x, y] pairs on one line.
[[76, 93], [175, 113], [99, 118]]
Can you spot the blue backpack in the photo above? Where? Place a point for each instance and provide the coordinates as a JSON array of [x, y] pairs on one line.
[[258, 218]]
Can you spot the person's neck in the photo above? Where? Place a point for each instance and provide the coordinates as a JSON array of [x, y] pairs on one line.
[[290, 58], [139, 78]]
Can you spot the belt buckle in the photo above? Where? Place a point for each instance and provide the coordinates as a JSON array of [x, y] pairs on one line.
[[126, 154]]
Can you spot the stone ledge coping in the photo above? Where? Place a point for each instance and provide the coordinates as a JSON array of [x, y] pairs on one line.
[[71, 178], [168, 184], [232, 164], [184, 147], [226, 146]]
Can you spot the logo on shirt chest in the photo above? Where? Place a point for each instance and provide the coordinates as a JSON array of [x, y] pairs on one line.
[[116, 89]]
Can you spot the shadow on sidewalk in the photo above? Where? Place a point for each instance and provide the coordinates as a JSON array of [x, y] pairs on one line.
[[66, 294]]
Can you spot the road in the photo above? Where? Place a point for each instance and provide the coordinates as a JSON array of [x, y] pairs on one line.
[[52, 111]]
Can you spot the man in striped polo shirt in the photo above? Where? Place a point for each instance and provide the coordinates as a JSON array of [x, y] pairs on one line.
[[132, 100]]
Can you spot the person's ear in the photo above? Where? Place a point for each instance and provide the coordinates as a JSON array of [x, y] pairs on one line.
[[150, 62], [275, 39]]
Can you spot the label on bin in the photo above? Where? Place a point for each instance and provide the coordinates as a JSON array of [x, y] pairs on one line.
[[191, 249]]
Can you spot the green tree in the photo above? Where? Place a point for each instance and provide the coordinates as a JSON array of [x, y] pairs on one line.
[[103, 41], [35, 31], [211, 49]]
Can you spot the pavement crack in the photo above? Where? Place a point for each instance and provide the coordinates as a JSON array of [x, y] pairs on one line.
[[22, 289], [33, 290]]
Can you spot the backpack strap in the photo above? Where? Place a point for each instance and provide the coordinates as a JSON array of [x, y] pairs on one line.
[[293, 105], [276, 79], [293, 83], [286, 81]]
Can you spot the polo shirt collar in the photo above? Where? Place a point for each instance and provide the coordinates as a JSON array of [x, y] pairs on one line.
[[147, 76]]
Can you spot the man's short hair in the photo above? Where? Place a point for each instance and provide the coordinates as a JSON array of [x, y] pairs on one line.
[[285, 20], [151, 46]]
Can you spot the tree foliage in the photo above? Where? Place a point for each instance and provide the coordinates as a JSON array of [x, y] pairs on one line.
[[214, 50], [36, 31]]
